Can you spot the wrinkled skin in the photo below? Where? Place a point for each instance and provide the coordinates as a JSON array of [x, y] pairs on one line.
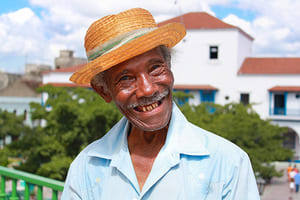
[[142, 90]]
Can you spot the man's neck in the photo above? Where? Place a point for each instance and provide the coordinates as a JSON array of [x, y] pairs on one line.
[[144, 147]]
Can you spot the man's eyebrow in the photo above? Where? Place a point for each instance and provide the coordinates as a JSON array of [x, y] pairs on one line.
[[156, 60], [125, 71]]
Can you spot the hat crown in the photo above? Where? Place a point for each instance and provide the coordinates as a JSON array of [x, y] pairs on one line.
[[112, 26]]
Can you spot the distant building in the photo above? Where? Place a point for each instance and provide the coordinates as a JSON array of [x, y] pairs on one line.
[[33, 72], [66, 59], [213, 62], [16, 94]]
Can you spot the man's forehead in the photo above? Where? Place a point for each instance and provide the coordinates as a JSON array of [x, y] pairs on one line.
[[152, 56]]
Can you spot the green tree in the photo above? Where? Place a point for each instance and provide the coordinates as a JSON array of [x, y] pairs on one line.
[[11, 125], [72, 118], [244, 127]]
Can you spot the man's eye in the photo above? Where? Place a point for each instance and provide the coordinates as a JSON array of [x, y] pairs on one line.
[[125, 78], [157, 69], [156, 66]]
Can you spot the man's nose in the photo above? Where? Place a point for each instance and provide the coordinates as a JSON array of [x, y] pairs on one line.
[[145, 86]]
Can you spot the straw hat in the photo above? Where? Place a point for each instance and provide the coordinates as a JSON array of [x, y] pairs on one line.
[[116, 38]]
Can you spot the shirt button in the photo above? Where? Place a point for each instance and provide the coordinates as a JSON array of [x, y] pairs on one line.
[[98, 180], [201, 176]]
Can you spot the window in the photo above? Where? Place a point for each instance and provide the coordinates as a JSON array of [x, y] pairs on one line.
[[245, 98], [207, 96], [213, 52], [279, 104], [25, 114]]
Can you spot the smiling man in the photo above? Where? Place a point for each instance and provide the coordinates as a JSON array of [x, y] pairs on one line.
[[153, 152]]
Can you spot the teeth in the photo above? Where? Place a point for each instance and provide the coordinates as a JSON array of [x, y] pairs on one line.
[[150, 107]]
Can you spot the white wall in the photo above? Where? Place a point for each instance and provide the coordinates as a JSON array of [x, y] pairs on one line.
[[57, 77], [258, 86], [192, 66]]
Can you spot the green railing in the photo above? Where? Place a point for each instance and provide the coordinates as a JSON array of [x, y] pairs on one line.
[[29, 179]]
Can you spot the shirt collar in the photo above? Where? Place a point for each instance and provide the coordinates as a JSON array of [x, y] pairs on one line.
[[112, 142], [182, 138]]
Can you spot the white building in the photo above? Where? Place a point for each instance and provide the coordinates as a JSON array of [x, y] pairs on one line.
[[214, 63]]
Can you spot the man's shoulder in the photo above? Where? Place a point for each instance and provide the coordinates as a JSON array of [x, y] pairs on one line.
[[215, 144]]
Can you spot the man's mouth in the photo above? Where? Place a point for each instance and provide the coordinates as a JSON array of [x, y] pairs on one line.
[[148, 107]]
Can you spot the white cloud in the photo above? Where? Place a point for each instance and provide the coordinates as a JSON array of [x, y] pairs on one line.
[[21, 34], [276, 27], [241, 23], [62, 24]]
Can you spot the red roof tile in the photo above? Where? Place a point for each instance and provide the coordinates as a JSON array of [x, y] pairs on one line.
[[270, 66], [285, 89], [202, 20], [178, 87], [68, 69], [194, 87], [69, 85]]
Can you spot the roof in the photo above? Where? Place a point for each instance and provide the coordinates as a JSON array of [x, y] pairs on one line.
[[194, 87], [285, 89], [178, 87], [87, 85], [67, 69], [270, 66], [20, 88], [202, 20]]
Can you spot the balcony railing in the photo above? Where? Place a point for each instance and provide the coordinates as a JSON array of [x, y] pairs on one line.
[[29, 179], [286, 112]]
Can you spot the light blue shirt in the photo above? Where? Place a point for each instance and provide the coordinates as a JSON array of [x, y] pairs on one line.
[[193, 164], [297, 178]]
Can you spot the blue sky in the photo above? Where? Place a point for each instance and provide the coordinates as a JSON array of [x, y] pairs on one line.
[[33, 31]]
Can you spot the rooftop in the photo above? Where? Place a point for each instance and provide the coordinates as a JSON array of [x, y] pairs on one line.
[[270, 66], [202, 20]]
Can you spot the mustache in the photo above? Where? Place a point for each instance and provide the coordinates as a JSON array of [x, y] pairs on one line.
[[149, 100]]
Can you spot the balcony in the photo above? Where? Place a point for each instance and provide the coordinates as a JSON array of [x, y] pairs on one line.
[[14, 176], [286, 112]]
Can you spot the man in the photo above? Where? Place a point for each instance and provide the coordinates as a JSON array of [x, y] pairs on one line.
[[297, 180], [153, 152]]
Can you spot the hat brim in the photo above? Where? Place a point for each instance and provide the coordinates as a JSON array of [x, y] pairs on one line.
[[168, 35]]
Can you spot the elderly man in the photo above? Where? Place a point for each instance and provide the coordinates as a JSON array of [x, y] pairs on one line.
[[153, 152]]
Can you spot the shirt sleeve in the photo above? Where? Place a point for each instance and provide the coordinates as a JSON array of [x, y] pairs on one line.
[[242, 183]]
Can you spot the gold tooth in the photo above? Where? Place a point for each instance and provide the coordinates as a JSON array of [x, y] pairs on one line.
[[144, 109], [150, 107]]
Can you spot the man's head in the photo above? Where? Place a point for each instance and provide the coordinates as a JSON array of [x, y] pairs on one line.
[[129, 63], [141, 87]]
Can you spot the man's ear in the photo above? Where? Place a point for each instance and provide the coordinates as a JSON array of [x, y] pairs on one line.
[[103, 92]]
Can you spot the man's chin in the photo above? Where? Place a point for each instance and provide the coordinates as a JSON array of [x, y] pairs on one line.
[[150, 126]]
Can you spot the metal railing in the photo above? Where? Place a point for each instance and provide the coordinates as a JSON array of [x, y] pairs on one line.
[[29, 179], [285, 112]]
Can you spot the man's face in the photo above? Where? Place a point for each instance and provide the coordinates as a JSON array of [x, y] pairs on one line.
[[142, 89]]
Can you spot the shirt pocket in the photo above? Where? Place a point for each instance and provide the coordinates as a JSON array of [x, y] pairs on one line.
[[204, 190]]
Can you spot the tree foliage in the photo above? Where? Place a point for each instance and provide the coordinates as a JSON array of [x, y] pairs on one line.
[[71, 119], [11, 124]]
